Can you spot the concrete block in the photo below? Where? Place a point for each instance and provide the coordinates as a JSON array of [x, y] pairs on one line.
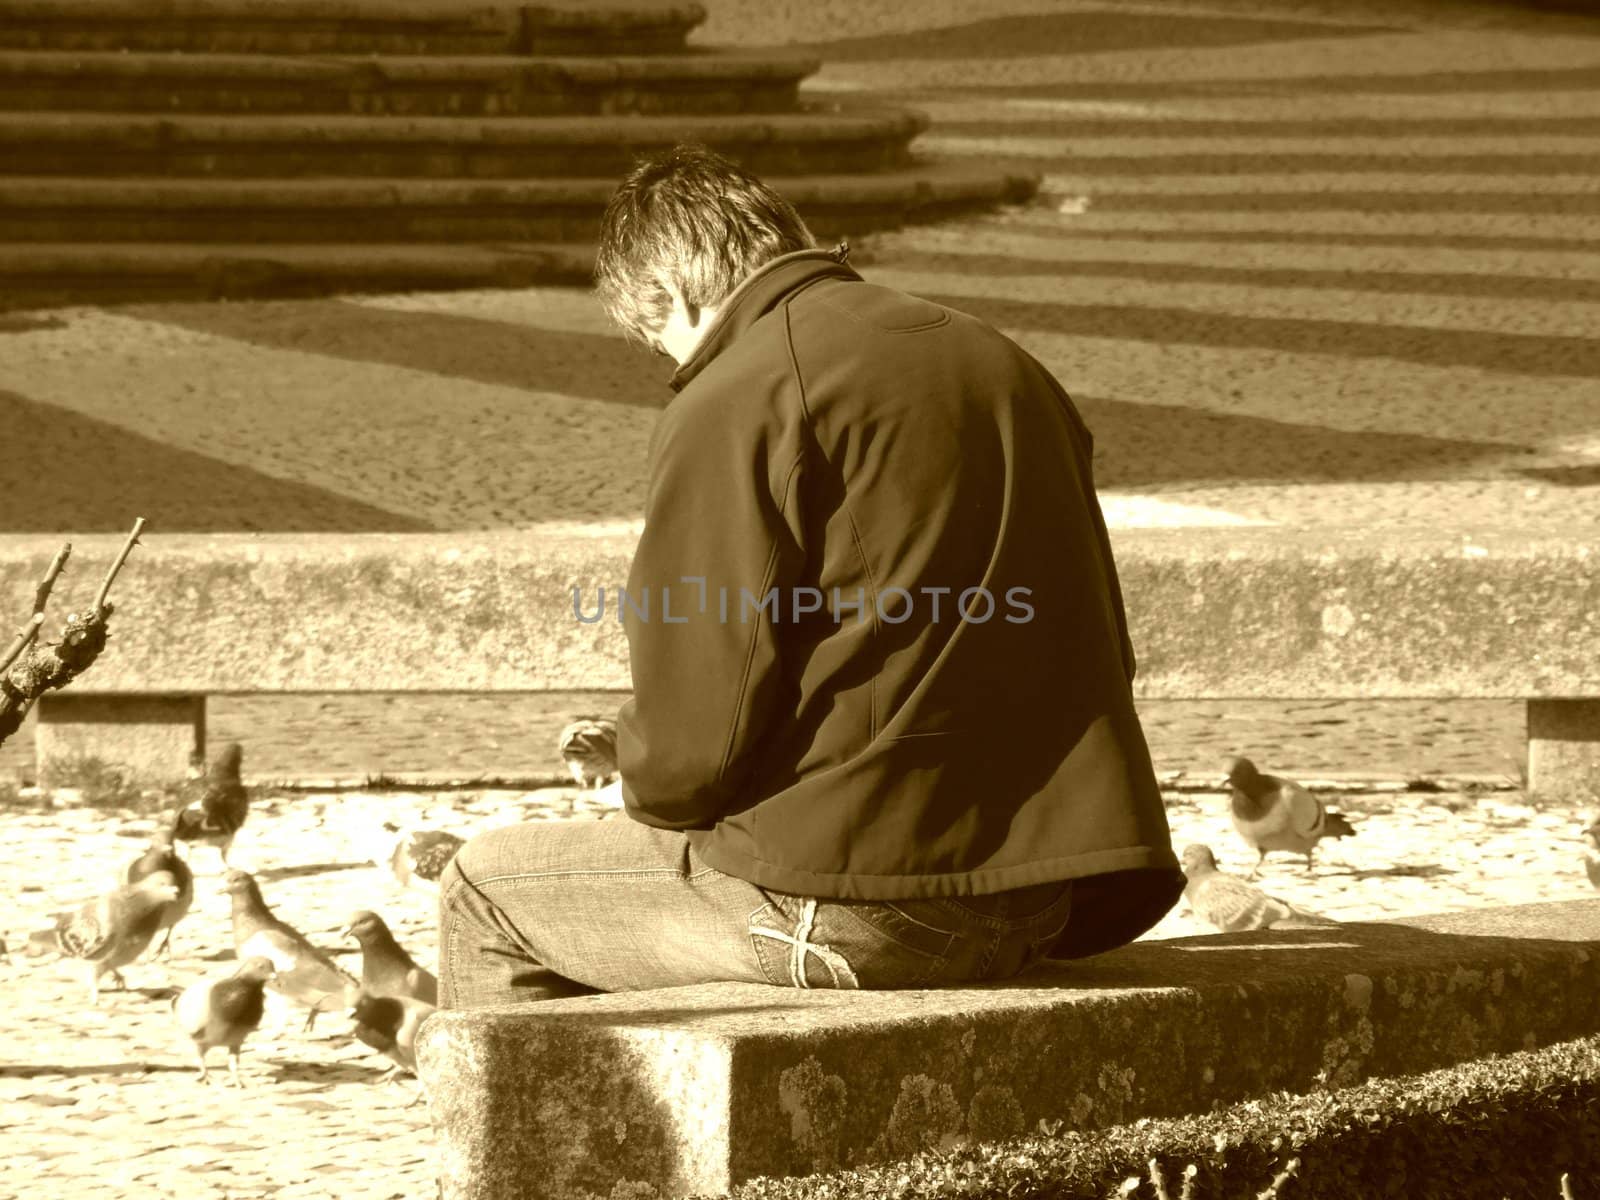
[[1215, 613], [151, 738], [1564, 748], [696, 1089]]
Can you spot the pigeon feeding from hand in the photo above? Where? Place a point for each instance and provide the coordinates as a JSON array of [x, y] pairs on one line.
[[304, 974], [224, 1010], [386, 969], [110, 931], [1232, 905], [215, 818], [389, 1025], [589, 748], [162, 856], [1278, 814], [1591, 856]]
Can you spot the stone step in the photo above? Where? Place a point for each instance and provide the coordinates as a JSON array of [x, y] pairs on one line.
[[51, 275], [349, 26], [325, 147], [364, 211], [470, 85]]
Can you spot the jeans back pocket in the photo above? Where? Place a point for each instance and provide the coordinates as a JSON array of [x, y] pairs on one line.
[[804, 942]]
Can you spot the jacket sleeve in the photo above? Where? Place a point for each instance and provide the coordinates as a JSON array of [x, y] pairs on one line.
[[707, 680]]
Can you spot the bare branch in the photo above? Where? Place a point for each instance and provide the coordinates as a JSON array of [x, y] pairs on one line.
[[41, 596], [21, 642], [127, 548], [42, 593]]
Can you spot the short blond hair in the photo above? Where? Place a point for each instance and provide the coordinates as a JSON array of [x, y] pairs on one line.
[[696, 219]]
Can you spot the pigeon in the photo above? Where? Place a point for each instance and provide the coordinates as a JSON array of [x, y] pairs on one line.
[[109, 932], [386, 969], [589, 748], [1232, 905], [224, 1010], [215, 818], [1277, 814], [304, 974], [415, 856], [1591, 856], [162, 856], [389, 1025]]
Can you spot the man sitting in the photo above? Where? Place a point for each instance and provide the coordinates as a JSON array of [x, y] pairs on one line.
[[882, 733]]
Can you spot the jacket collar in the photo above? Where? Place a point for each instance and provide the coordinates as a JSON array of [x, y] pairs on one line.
[[758, 294]]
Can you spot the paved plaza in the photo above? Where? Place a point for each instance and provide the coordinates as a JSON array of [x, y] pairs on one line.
[[1300, 263], [104, 1102]]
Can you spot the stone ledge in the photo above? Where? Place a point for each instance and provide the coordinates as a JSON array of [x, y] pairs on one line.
[[185, 197], [328, 71], [693, 1090], [118, 270], [311, 25], [1326, 612]]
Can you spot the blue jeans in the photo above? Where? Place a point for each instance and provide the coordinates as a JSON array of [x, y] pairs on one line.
[[563, 908]]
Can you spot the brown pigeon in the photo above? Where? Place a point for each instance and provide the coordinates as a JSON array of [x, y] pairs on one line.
[[224, 1010], [1278, 814], [589, 748], [1232, 905], [304, 974], [389, 1025], [109, 932], [216, 816], [162, 856], [1591, 856], [386, 969]]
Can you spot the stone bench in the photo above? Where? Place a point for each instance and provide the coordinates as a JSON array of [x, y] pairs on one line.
[[694, 1090], [1216, 613]]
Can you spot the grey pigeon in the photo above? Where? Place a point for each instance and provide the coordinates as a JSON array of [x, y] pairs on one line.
[[386, 969], [1232, 905], [589, 748], [163, 856], [214, 818], [224, 1010], [416, 856], [1277, 814], [389, 1025], [1591, 856], [304, 974], [109, 932]]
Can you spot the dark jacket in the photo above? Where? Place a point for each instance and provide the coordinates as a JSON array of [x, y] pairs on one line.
[[833, 434]]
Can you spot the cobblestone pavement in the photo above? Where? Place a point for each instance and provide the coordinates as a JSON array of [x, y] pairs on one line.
[[104, 1101]]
